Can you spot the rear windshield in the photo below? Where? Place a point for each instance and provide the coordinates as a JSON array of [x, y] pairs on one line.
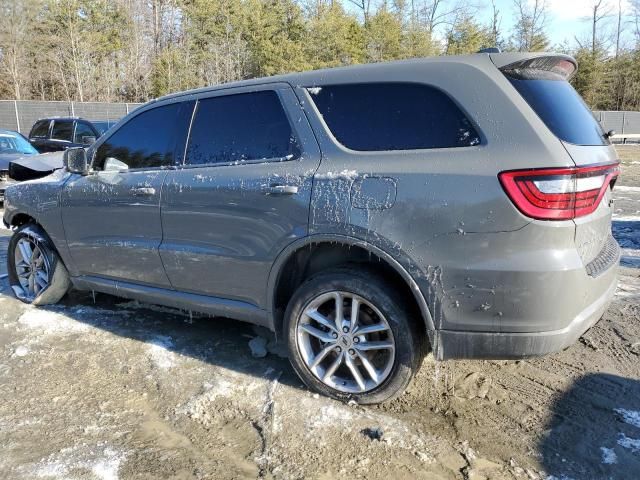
[[561, 109]]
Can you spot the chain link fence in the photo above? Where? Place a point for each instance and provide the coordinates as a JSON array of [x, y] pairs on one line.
[[20, 115]]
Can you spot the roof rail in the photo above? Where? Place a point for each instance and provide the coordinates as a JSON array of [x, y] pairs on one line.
[[489, 50]]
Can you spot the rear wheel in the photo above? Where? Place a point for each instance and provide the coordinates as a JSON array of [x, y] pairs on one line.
[[36, 274], [349, 337]]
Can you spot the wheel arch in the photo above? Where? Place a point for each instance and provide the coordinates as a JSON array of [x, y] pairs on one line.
[[278, 270]]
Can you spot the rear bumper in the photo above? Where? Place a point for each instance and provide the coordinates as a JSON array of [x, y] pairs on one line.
[[504, 345]]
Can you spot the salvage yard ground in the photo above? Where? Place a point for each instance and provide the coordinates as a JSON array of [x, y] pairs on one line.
[[103, 388]]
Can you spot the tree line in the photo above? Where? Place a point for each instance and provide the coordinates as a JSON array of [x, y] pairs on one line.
[[134, 50]]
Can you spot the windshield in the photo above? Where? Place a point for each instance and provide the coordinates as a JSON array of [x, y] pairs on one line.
[[10, 143], [562, 109]]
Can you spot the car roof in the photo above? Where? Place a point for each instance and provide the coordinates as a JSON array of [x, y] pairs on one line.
[[8, 132], [329, 75]]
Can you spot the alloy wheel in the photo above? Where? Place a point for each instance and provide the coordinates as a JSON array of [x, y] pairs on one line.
[[345, 342], [32, 268]]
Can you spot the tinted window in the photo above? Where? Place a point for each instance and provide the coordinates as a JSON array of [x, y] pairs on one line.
[[562, 110], [40, 129], [237, 128], [62, 130], [145, 141], [82, 131], [393, 116]]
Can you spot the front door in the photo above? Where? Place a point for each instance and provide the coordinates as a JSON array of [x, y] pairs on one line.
[[243, 194], [112, 216]]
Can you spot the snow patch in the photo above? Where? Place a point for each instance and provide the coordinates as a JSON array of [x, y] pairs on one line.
[[632, 417], [50, 322], [609, 457], [159, 352], [629, 443], [625, 188], [21, 351], [344, 174], [102, 461]]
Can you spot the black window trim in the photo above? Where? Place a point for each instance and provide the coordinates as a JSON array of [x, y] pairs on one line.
[[470, 118], [226, 92], [73, 129], [139, 111], [48, 134]]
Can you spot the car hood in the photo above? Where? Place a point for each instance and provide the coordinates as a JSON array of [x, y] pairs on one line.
[[45, 162], [7, 158]]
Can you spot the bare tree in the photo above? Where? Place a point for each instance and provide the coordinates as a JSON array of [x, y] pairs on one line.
[[531, 23], [16, 18], [495, 23], [600, 9]]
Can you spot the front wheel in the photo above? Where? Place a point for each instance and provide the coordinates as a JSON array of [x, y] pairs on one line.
[[350, 337], [36, 274]]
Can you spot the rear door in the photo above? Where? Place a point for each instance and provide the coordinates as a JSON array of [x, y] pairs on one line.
[[112, 216], [61, 135], [242, 195]]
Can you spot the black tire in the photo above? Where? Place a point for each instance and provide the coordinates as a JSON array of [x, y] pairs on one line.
[[58, 281], [366, 284]]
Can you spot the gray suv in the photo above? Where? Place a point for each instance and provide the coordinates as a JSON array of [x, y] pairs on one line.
[[365, 214]]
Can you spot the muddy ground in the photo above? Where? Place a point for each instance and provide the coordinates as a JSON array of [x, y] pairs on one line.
[[102, 388]]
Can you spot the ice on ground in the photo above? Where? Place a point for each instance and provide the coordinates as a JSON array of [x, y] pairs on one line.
[[102, 461], [609, 457], [632, 417], [21, 351], [50, 322], [159, 352], [629, 443]]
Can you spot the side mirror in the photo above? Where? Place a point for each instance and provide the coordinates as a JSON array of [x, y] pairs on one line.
[[88, 140], [75, 161]]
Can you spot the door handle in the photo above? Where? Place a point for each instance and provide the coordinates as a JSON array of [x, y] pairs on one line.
[[143, 191], [282, 190]]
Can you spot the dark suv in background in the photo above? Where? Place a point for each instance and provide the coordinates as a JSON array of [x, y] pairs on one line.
[[56, 134], [362, 213]]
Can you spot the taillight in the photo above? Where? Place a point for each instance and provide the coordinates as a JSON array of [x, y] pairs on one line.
[[558, 193]]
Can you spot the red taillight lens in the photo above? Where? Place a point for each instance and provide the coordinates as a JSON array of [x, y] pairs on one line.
[[558, 193]]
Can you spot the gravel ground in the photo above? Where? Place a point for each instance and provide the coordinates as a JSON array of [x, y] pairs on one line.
[[102, 388]]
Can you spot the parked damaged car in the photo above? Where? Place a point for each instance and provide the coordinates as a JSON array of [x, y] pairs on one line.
[[13, 147], [365, 214]]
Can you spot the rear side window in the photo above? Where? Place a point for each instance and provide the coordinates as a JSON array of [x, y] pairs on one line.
[[145, 141], [40, 129], [62, 130], [83, 133], [561, 108], [393, 116], [239, 128]]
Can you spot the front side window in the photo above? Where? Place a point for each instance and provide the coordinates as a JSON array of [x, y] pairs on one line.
[[145, 141], [393, 116], [40, 129], [62, 130], [239, 128]]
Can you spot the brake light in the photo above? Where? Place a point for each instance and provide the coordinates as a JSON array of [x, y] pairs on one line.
[[558, 193]]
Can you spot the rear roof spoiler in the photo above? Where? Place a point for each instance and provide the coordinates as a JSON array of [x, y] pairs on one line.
[[518, 63]]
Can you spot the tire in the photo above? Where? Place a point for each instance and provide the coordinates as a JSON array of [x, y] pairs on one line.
[[379, 306], [42, 280]]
